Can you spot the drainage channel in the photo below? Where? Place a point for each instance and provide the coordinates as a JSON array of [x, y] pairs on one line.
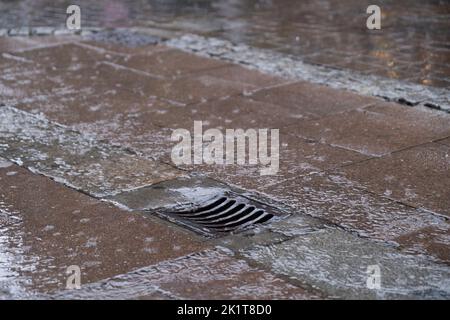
[[201, 205]]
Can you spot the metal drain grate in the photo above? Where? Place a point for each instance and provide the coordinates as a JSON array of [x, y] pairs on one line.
[[203, 205], [221, 215]]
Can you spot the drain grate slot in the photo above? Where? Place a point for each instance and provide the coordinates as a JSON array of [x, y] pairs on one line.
[[222, 215]]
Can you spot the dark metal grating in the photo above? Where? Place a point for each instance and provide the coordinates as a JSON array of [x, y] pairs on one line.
[[221, 215]]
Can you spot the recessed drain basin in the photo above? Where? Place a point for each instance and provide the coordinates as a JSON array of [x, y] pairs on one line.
[[222, 215], [202, 205]]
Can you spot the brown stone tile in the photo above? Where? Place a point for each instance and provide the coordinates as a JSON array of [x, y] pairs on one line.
[[58, 71], [75, 158], [17, 79], [445, 141], [91, 107], [419, 176], [53, 40], [134, 131], [196, 88], [297, 157], [10, 44], [312, 101], [349, 205], [377, 130], [434, 240], [57, 227], [170, 63], [211, 274], [237, 73], [69, 57], [229, 113], [125, 50]]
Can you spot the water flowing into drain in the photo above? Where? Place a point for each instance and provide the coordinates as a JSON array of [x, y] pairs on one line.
[[220, 216], [202, 205]]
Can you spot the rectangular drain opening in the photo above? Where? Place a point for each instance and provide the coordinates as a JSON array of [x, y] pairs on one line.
[[205, 206], [224, 214]]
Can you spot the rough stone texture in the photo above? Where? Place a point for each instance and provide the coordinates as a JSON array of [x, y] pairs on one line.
[[127, 50], [298, 157], [419, 176], [336, 262], [237, 73], [314, 32], [170, 63], [291, 67], [312, 101], [66, 56], [73, 158], [15, 44], [52, 227], [445, 141], [377, 130], [346, 204], [211, 274], [228, 113], [433, 239]]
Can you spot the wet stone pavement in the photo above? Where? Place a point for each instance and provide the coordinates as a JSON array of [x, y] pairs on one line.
[[85, 164], [412, 45]]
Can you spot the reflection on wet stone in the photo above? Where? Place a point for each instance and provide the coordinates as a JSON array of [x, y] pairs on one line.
[[74, 159], [313, 30]]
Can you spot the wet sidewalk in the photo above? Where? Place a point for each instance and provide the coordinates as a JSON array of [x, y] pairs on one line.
[[412, 45], [85, 144]]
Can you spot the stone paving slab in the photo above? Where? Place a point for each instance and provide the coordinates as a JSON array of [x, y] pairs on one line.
[[377, 130], [445, 141], [73, 158], [298, 157], [312, 101], [53, 227], [170, 63], [236, 73], [15, 44], [67, 56], [123, 49], [418, 176], [211, 274], [348, 205], [21, 44], [336, 262], [433, 239], [228, 113]]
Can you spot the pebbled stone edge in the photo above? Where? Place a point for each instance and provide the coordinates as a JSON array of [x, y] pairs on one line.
[[289, 67]]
